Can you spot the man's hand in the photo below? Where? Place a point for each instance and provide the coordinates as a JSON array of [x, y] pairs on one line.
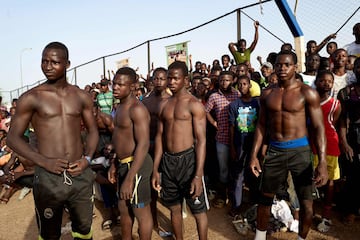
[[76, 168], [349, 152], [56, 166], [126, 190], [256, 24], [321, 174], [196, 187], [156, 181], [111, 173], [255, 167]]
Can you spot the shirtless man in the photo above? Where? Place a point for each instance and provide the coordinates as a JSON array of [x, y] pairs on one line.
[[152, 103], [181, 134], [105, 126], [62, 176], [133, 163], [283, 114]]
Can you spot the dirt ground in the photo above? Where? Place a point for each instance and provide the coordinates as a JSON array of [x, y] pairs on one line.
[[18, 222]]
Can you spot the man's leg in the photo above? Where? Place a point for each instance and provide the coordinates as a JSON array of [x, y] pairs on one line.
[[263, 215], [223, 160], [306, 214], [126, 220], [145, 220], [202, 225], [177, 221]]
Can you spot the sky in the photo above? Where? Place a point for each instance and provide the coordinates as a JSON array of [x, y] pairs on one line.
[[92, 29]]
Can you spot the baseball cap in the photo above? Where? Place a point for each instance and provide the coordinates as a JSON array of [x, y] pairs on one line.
[[104, 82], [267, 65]]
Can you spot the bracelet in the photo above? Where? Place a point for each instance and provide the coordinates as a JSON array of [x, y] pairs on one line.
[[197, 177], [2, 173], [88, 158]]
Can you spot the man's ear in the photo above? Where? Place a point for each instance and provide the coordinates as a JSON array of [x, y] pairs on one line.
[[68, 64]]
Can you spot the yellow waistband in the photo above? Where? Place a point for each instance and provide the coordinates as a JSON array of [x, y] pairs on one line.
[[126, 160]]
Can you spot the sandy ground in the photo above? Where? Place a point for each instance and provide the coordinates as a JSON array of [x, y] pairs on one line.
[[18, 222]]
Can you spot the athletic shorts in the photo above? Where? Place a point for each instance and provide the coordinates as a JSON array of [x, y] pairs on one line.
[[277, 163], [52, 194], [332, 166], [177, 172], [142, 183]]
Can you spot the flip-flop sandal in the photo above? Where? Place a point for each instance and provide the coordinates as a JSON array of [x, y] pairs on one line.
[[241, 225], [106, 225], [324, 226]]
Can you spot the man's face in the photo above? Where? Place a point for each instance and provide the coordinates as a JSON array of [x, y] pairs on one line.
[[266, 71], [241, 46], [104, 88], [324, 83], [244, 86], [313, 62], [176, 80], [225, 62], [225, 82], [241, 70], [122, 86], [285, 67], [160, 81], [340, 58], [54, 64]]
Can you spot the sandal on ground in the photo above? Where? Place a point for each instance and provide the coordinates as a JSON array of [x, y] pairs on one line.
[[241, 225], [106, 225], [324, 226], [219, 203]]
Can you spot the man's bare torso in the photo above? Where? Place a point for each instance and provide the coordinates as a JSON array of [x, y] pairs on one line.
[[177, 120], [286, 112], [56, 120]]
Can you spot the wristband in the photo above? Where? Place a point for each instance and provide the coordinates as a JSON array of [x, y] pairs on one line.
[[88, 158], [2, 173]]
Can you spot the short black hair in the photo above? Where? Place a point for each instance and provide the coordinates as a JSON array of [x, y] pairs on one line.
[[58, 45], [244, 77], [287, 52], [323, 73], [159, 69], [227, 73], [181, 66], [128, 72]]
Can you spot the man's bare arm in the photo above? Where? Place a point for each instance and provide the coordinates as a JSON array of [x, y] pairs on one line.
[[199, 128], [24, 111], [317, 122], [158, 151], [256, 36], [260, 132], [141, 122]]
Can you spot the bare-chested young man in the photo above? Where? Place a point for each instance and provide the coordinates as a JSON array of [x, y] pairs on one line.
[[284, 109], [180, 145], [55, 109], [152, 103], [133, 164]]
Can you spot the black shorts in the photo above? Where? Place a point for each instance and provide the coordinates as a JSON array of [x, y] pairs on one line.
[[51, 195], [177, 172], [277, 163], [142, 194]]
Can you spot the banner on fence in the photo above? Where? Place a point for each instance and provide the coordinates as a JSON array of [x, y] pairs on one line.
[[122, 63], [177, 52]]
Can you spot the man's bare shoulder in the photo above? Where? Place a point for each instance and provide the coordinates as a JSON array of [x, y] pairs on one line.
[[308, 91]]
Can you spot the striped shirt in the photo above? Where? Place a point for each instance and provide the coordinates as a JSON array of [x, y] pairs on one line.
[[220, 103]]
